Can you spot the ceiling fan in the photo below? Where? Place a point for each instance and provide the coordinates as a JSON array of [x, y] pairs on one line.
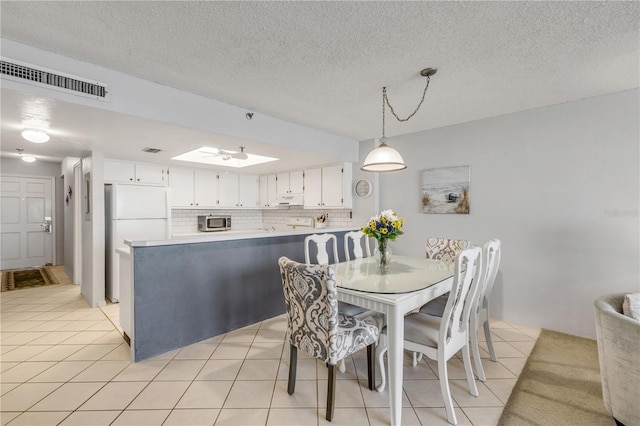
[[227, 155]]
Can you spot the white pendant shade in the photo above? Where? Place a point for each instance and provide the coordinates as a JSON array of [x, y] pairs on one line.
[[383, 159]]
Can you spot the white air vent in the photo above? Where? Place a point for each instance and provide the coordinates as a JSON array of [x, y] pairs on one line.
[[39, 76]]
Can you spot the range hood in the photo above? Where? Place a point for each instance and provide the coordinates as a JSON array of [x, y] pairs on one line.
[[291, 199]]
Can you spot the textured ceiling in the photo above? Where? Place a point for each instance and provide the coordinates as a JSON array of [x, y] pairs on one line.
[[323, 64]]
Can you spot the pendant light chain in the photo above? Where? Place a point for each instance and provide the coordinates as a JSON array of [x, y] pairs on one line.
[[384, 158], [385, 99]]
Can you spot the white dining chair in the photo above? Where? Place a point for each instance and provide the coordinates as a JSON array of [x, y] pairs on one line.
[[445, 249], [358, 240], [320, 242], [491, 252], [440, 338], [480, 317]]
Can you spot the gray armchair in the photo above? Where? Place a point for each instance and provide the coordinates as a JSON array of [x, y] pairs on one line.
[[618, 338]]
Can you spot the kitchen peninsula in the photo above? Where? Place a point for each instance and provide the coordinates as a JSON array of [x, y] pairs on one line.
[[180, 291]]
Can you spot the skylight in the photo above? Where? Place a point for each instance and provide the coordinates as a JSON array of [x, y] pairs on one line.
[[222, 157]]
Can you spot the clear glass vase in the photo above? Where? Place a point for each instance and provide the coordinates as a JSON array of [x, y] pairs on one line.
[[383, 255]]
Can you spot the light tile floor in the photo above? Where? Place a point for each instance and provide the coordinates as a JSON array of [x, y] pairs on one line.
[[65, 363]]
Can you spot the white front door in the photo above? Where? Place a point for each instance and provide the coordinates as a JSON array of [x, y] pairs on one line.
[[25, 208]]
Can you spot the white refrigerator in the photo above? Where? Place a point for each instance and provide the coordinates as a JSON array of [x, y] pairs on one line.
[[132, 212]]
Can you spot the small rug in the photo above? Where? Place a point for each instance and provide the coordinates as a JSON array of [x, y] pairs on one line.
[[27, 278], [559, 385]]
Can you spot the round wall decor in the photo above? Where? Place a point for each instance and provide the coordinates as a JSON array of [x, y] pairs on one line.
[[362, 188]]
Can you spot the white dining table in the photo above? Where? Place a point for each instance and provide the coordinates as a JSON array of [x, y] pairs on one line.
[[407, 284]]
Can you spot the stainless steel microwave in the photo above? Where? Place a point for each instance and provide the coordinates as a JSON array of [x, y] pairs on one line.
[[214, 223]]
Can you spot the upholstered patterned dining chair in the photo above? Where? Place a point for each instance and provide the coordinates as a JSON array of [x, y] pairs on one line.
[[444, 248], [316, 327], [440, 338], [320, 244]]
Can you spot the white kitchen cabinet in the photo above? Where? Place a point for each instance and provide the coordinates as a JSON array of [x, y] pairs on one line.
[[205, 184], [268, 191], [151, 174], [264, 191], [249, 191], [313, 188], [228, 190], [193, 188], [328, 187], [290, 182], [272, 195], [139, 173], [332, 186], [181, 187]]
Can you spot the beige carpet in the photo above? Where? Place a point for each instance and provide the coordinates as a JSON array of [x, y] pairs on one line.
[[559, 385], [26, 278]]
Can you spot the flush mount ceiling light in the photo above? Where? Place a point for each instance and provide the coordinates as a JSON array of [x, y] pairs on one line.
[[35, 136], [25, 158], [223, 157], [384, 158]]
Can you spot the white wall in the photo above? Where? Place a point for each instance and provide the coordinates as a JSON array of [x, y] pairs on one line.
[[92, 284], [558, 185], [68, 182], [364, 208]]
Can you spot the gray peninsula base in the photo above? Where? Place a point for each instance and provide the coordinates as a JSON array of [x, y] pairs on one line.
[[185, 293]]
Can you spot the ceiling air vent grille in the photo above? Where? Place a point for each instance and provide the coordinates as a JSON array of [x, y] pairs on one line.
[[151, 150], [25, 73]]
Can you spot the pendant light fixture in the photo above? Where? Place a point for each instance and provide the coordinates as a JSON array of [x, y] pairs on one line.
[[384, 158], [35, 136], [25, 158]]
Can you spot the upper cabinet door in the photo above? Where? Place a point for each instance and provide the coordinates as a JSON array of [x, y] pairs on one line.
[[313, 188], [332, 183], [119, 171], [205, 188], [282, 183], [249, 192], [296, 182], [272, 190], [228, 187], [152, 174], [264, 191], [181, 187]]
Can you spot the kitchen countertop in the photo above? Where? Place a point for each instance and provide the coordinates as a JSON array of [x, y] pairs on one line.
[[205, 237]]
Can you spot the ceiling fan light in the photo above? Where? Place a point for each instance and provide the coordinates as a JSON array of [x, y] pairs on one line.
[[35, 136], [28, 158], [383, 159]]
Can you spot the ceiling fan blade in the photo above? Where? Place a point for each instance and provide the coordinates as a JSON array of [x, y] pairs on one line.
[[240, 155], [210, 153]]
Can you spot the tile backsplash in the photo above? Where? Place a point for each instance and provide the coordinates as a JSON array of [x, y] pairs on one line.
[[185, 221]]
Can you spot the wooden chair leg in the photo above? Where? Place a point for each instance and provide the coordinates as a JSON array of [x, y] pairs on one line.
[[331, 392], [293, 362], [371, 366]]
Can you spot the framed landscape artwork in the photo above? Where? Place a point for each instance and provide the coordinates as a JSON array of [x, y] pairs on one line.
[[445, 190]]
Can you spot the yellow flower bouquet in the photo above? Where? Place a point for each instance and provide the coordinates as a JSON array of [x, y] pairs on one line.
[[384, 227]]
